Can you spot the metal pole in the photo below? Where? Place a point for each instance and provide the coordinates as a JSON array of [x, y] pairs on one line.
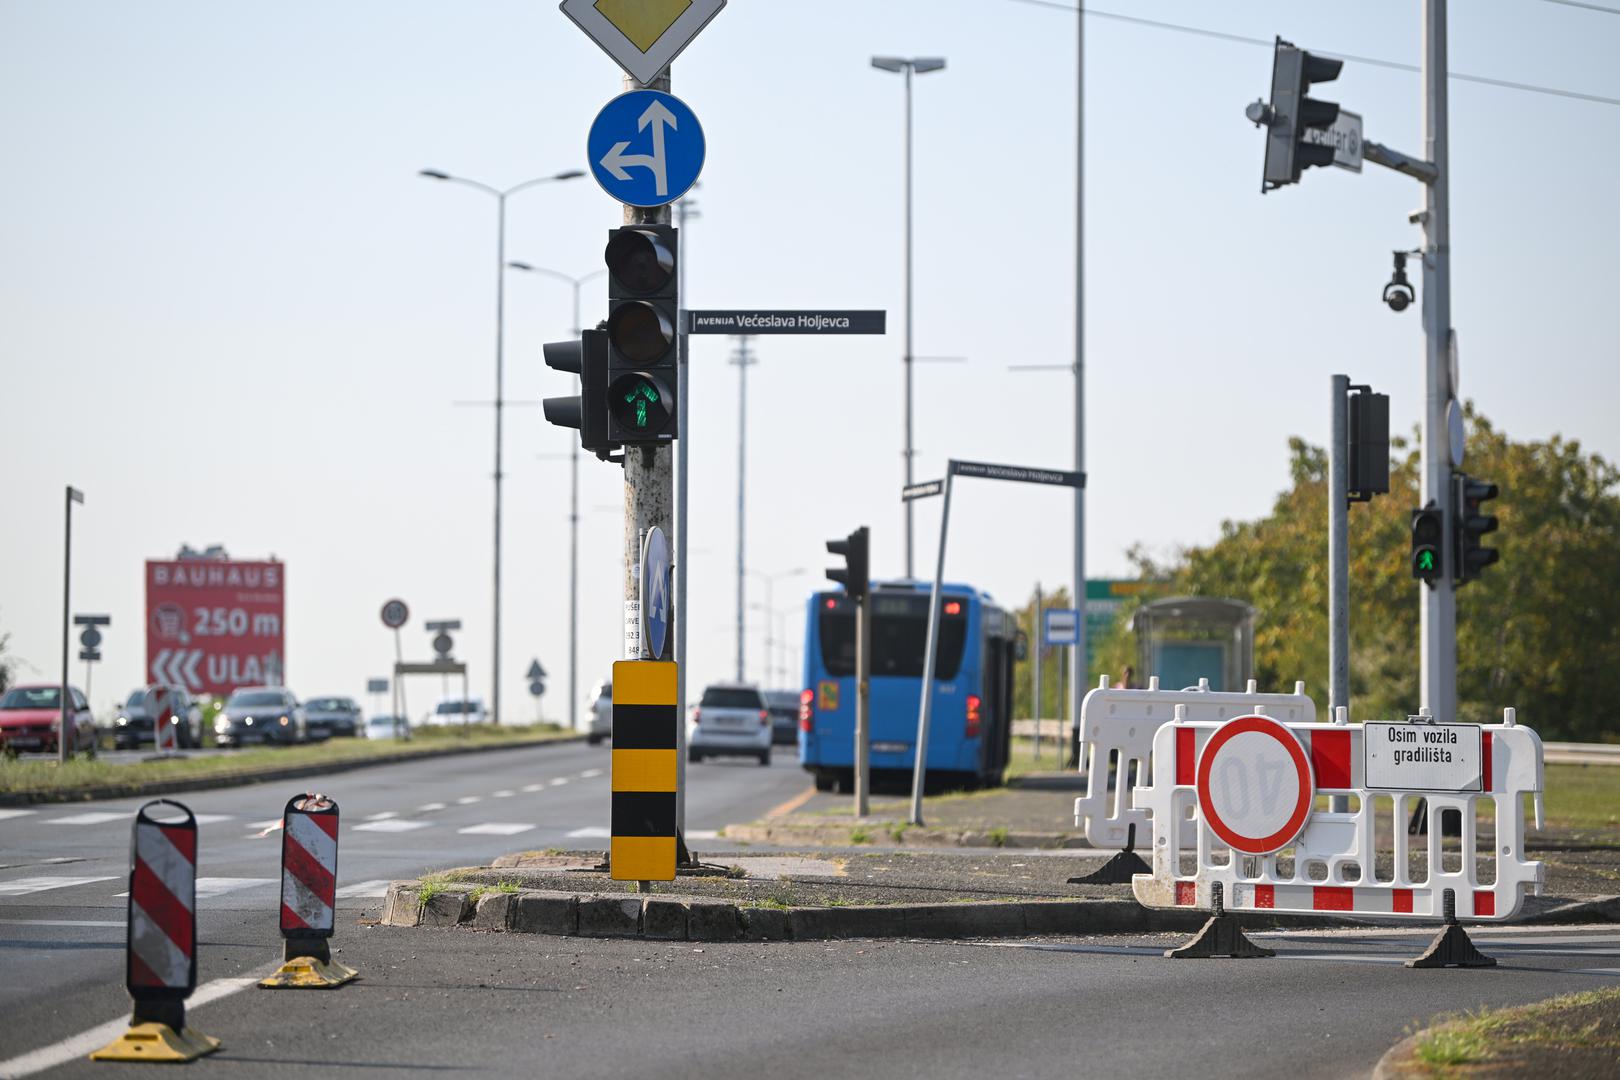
[[742, 360], [1339, 557], [769, 619], [65, 731], [1437, 604], [1036, 700], [908, 357], [500, 403], [573, 556], [1082, 669], [683, 384], [402, 715], [863, 704], [921, 764]]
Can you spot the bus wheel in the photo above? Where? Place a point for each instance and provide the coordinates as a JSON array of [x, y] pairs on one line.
[[846, 782], [825, 781]]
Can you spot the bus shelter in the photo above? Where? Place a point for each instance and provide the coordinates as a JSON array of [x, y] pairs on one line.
[[1184, 639]]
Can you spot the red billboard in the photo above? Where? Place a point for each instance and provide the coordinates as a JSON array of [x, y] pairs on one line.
[[213, 625]]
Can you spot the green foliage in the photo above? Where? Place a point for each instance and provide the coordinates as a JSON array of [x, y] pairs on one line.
[[1540, 630], [5, 665]]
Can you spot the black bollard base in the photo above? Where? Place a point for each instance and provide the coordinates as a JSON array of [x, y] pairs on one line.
[[1118, 870], [1222, 935], [1451, 947]]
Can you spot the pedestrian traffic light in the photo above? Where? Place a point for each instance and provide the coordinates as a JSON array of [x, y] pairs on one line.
[[1471, 525], [587, 411], [854, 575], [1296, 124], [1428, 532], [643, 307]]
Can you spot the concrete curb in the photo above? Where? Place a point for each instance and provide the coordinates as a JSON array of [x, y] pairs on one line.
[[1394, 1064], [794, 834], [290, 772]]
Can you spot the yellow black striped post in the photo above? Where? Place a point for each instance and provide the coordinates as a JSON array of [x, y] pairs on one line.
[[645, 716]]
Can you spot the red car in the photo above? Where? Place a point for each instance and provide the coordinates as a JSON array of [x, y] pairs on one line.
[[29, 716]]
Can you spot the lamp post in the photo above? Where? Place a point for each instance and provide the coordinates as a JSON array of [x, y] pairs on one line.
[[68, 734], [500, 381], [576, 283], [919, 65], [770, 608]]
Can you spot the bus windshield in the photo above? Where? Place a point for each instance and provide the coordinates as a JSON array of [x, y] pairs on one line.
[[899, 636]]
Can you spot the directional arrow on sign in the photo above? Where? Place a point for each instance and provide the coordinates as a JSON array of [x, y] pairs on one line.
[[616, 160], [535, 671]]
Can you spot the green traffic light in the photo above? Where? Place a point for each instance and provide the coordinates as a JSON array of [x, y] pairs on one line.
[[642, 395], [1425, 560]]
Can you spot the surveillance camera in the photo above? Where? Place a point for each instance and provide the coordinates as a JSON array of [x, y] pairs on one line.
[[1398, 293]]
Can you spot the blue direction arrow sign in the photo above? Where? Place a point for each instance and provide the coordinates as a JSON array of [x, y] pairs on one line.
[[645, 148], [655, 612]]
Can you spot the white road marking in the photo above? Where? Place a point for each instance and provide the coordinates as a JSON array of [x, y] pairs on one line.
[[271, 823], [209, 819], [559, 781], [218, 886], [364, 890], [391, 825], [496, 828], [78, 1046], [532, 788], [504, 793], [590, 774], [468, 800], [703, 834], [94, 817], [4, 814], [383, 816], [432, 806], [62, 922], [590, 832], [27, 885]]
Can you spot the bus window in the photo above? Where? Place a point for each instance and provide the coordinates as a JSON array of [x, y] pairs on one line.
[[899, 636]]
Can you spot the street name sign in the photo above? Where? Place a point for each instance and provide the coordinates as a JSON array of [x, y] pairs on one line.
[[757, 321], [1423, 757], [923, 490], [645, 148], [376, 686], [1062, 626], [1019, 473], [642, 36], [655, 592], [1345, 138]]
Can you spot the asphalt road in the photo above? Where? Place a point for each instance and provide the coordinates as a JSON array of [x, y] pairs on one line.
[[63, 867]]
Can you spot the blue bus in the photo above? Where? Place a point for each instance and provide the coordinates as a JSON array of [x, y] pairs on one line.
[[972, 707]]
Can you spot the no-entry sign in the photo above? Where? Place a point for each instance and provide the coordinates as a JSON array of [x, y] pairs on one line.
[[213, 625]]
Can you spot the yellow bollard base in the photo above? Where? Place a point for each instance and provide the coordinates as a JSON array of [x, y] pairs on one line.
[[308, 973], [157, 1042]]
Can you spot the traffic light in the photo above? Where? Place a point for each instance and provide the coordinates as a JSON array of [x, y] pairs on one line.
[[1428, 550], [1471, 525], [641, 328], [588, 358], [1291, 116], [1369, 444], [854, 575]]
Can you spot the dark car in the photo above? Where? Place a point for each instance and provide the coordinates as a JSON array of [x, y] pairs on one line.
[[133, 726], [783, 705], [329, 716], [261, 714], [31, 715]]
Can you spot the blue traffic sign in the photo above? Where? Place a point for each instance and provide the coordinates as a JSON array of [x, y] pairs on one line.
[[645, 148], [1062, 627], [655, 592]]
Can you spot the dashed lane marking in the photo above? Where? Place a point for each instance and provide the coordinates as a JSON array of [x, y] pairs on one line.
[[210, 819], [496, 828], [559, 781], [4, 814], [364, 890], [430, 806], [468, 800], [208, 887], [383, 815], [61, 922], [27, 885], [504, 793], [532, 788], [391, 825], [590, 774], [590, 832], [702, 834], [94, 817]]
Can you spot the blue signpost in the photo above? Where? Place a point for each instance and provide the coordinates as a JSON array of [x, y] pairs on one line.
[[645, 148], [655, 593], [1062, 627]]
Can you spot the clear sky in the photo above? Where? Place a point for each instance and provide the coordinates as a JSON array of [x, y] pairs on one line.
[[231, 312]]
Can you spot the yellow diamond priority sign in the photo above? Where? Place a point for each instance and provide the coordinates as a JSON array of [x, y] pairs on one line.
[[642, 36]]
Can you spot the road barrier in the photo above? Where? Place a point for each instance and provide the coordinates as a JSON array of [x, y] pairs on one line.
[[309, 848], [158, 703], [1236, 828], [1117, 726], [645, 767], [160, 965]]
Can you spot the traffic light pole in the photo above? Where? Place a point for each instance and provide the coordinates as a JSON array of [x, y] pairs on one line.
[[1339, 558], [1438, 602], [863, 703], [1081, 667]]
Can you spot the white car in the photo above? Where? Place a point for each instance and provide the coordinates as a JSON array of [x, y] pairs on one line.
[[599, 713], [384, 727], [731, 719], [458, 711]]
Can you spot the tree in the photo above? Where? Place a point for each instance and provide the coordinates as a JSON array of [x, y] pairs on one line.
[[1540, 630]]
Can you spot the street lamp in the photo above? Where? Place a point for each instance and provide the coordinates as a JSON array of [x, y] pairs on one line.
[[500, 378], [573, 503], [68, 733], [770, 580], [919, 65]]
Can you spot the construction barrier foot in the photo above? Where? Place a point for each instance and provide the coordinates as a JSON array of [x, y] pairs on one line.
[[309, 973], [1221, 936], [1116, 871], [157, 1042], [1451, 947]]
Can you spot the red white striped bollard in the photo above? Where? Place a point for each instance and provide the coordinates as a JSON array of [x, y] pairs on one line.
[[309, 838], [160, 966]]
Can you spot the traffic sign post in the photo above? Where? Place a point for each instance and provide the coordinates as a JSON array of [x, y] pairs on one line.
[[395, 614], [655, 612], [1060, 627], [645, 148], [90, 643]]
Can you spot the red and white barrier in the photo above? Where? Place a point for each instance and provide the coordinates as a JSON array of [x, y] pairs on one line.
[[160, 967], [1118, 725], [159, 705], [1241, 796], [309, 849]]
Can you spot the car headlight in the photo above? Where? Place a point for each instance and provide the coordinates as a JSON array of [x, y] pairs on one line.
[[222, 724], [248, 721], [123, 721], [283, 721]]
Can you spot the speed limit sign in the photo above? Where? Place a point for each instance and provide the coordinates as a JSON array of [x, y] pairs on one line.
[[1255, 786], [394, 614]]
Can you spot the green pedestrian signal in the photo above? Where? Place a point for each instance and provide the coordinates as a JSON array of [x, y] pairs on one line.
[[1426, 539], [639, 404], [1425, 560]]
